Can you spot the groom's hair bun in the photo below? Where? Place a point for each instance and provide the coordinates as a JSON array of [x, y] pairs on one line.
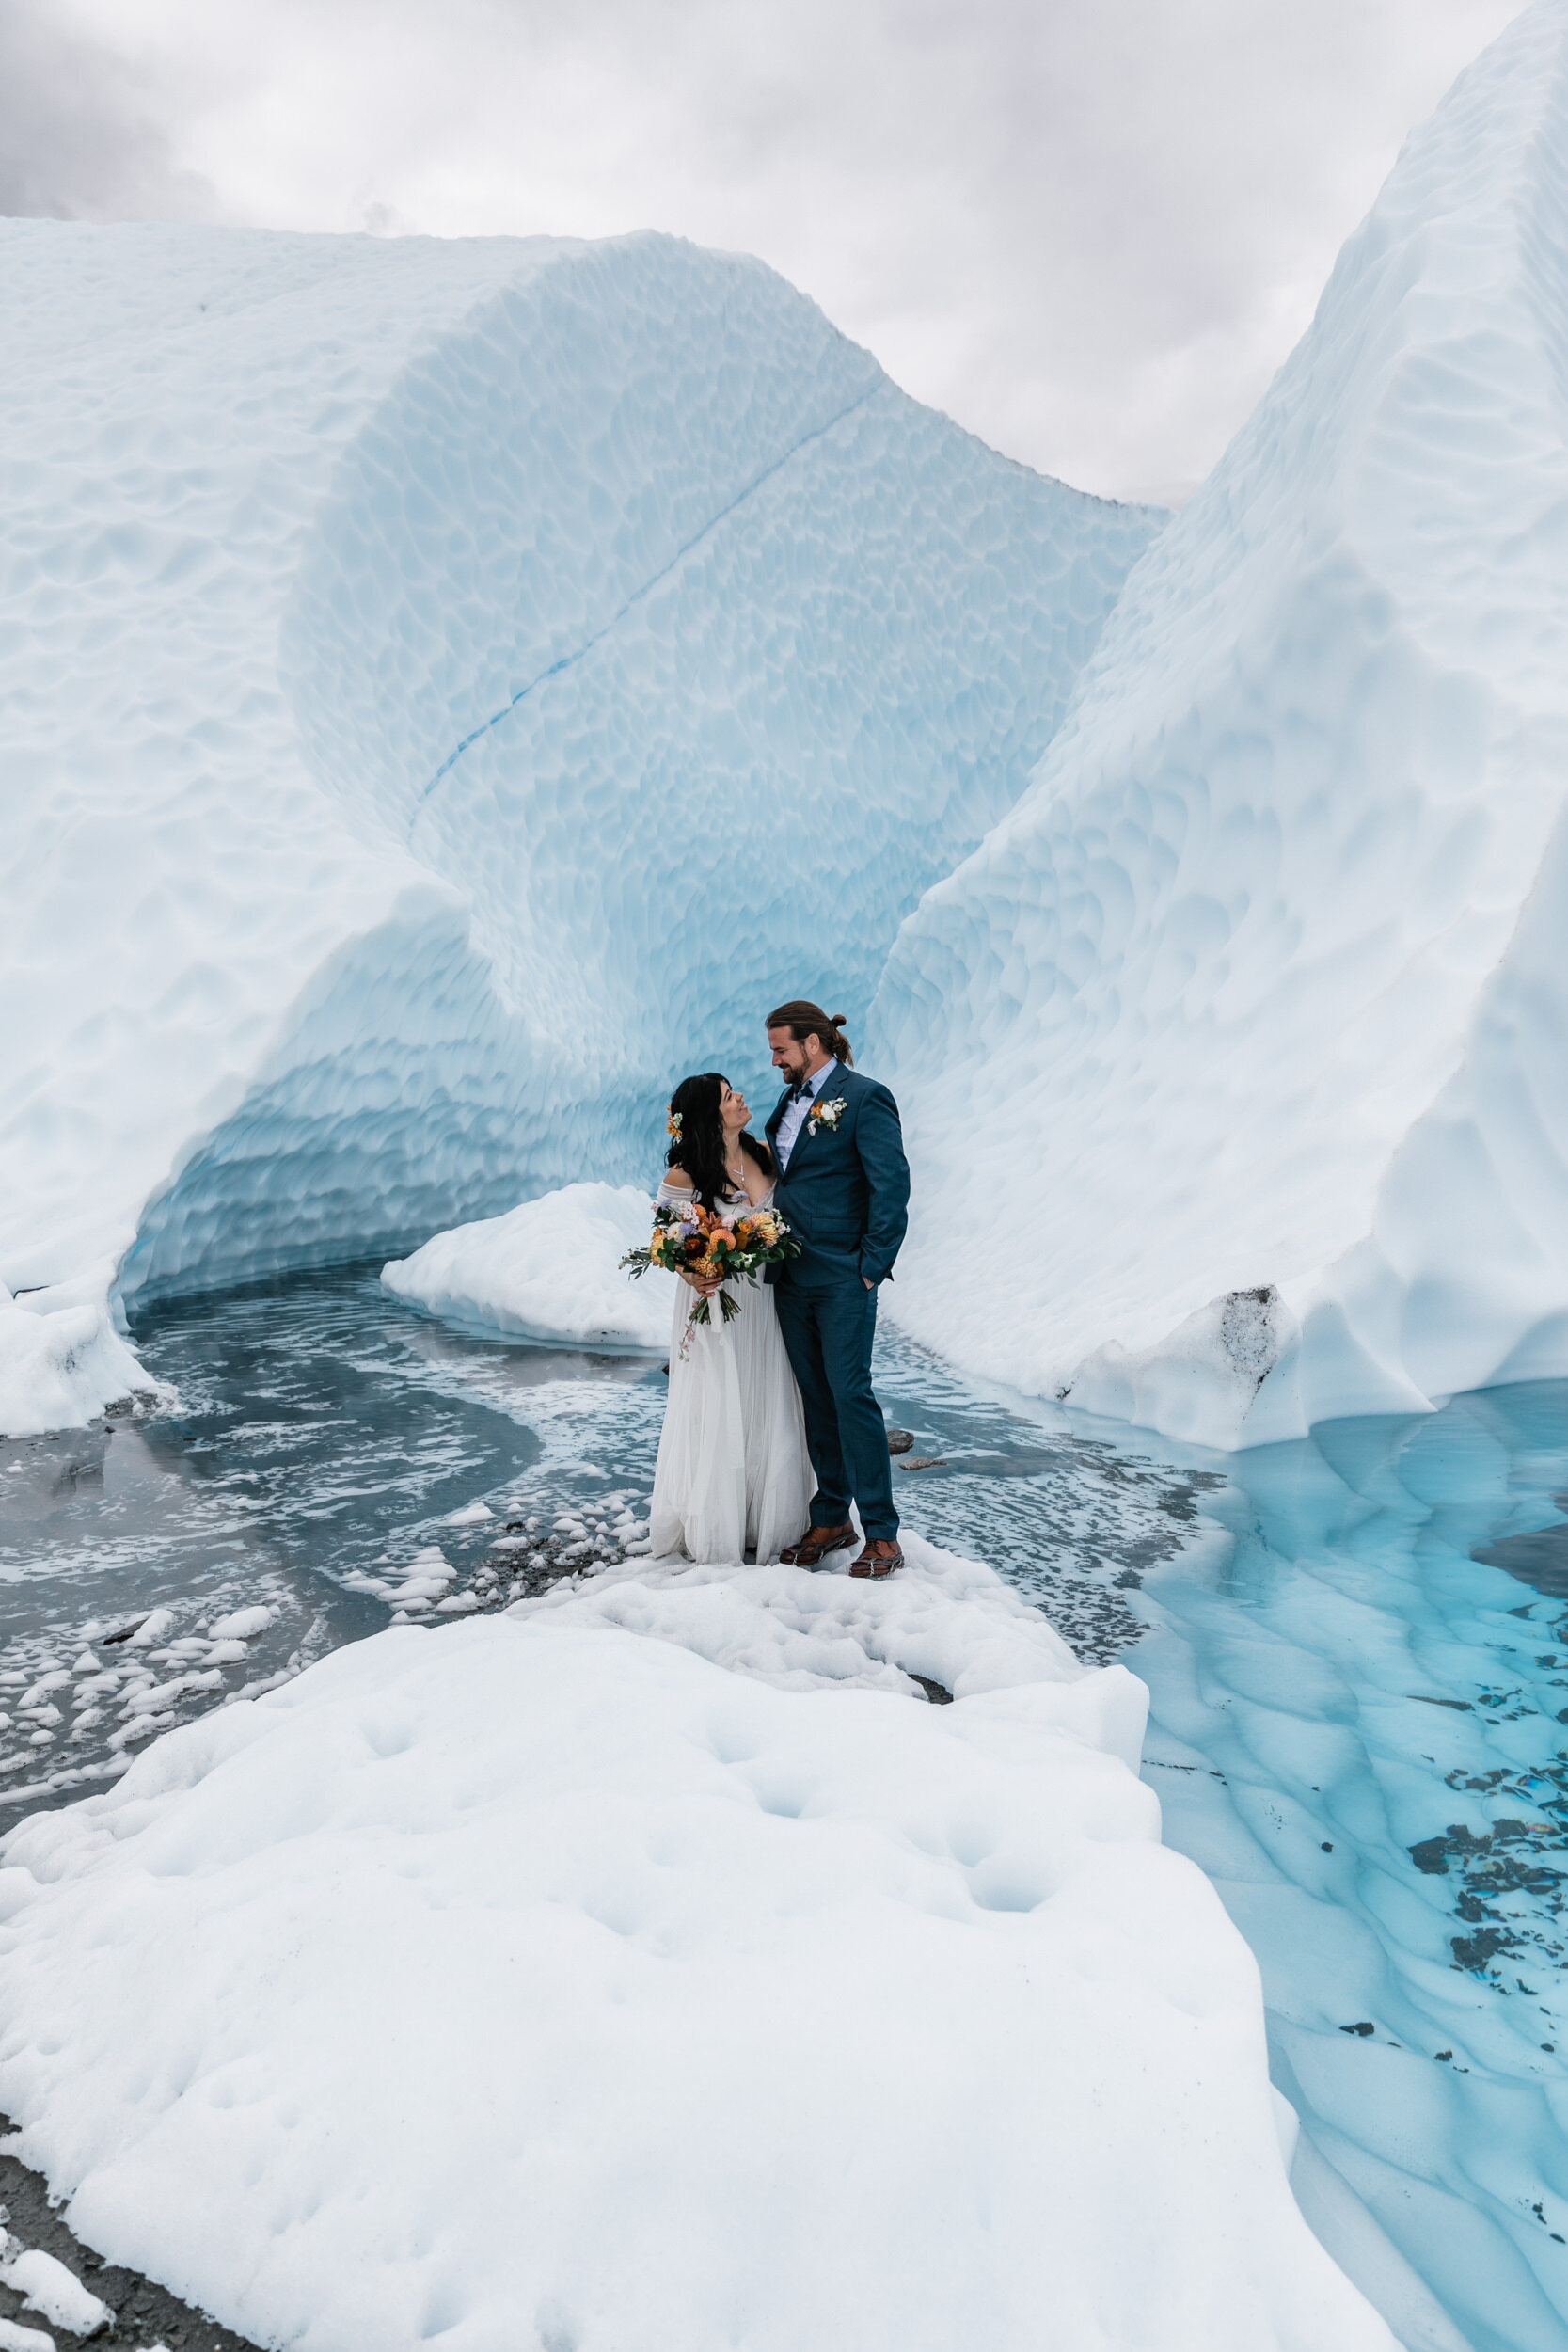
[[803, 1019]]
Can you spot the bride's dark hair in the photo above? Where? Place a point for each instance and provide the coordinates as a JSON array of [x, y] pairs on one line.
[[699, 1147]]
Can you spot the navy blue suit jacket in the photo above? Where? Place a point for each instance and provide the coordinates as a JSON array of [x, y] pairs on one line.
[[845, 1192]]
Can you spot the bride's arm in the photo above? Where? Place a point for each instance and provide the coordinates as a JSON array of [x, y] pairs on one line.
[[759, 1169], [676, 1179]]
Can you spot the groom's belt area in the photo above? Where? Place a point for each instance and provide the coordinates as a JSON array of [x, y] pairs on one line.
[[834, 1203], [813, 1229], [850, 1229]]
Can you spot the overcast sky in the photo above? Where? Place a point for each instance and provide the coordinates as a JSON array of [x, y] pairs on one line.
[[1089, 229]]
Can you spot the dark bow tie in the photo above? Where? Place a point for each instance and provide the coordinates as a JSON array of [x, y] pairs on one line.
[[798, 1094]]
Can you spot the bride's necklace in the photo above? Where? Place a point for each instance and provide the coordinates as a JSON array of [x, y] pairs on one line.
[[738, 1174]]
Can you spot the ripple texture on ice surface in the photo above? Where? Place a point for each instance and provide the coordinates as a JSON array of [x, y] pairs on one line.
[[545, 1974], [434, 667], [1356, 1728], [1259, 990]]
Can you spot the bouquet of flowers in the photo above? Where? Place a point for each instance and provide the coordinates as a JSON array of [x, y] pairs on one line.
[[690, 1239]]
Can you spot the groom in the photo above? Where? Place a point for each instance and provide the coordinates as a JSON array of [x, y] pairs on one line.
[[843, 1188]]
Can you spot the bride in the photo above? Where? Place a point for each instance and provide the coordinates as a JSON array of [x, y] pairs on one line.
[[733, 1473]]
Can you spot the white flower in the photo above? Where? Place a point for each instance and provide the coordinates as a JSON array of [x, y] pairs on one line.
[[829, 1114]]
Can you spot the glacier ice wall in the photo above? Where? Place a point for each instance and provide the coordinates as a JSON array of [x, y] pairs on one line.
[[652, 616], [449, 687], [1254, 1006], [175, 879]]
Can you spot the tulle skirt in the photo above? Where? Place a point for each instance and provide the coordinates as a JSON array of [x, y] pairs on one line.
[[733, 1473]]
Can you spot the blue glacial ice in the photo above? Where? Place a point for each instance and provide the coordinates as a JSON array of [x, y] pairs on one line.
[[1259, 991], [1358, 1690], [450, 685]]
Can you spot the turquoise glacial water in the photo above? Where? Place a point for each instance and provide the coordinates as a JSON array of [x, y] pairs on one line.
[[1359, 1728]]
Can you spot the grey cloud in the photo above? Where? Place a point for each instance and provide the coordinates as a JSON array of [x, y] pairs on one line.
[[80, 134], [1090, 232]]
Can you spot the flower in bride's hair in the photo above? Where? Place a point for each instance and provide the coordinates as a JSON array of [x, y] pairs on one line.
[[673, 1124]]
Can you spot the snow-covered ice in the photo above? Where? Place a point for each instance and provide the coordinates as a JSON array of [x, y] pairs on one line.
[[55, 2292], [241, 1625], [15, 2337], [429, 668], [1258, 997], [953, 1621], [545, 1982], [549, 1270], [62, 1360]]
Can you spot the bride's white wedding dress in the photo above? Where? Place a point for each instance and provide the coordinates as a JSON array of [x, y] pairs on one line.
[[733, 1471]]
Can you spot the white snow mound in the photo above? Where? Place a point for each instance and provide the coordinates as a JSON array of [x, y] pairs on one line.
[[544, 1984], [948, 1619], [49, 2287], [62, 1360], [423, 663], [549, 1270], [1258, 994]]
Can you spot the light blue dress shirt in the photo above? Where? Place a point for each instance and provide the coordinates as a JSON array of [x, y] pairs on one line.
[[796, 1116]]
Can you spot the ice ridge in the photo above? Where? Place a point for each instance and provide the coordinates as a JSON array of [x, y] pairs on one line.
[[1258, 988]]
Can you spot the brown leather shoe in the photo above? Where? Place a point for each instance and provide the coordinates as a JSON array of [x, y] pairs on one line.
[[880, 1558], [815, 1544]]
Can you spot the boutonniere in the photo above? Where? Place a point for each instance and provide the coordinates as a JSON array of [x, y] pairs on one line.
[[827, 1114]]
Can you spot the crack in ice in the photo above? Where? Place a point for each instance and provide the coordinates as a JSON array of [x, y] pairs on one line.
[[568, 661]]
